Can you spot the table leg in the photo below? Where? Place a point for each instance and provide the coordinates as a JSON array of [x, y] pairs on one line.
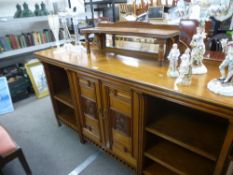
[[87, 42], [101, 39], [161, 53]]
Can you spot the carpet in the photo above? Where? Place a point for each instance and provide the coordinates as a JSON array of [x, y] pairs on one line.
[[49, 149]]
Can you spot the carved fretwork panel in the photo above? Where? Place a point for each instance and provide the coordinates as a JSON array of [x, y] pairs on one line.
[[89, 107], [121, 123]]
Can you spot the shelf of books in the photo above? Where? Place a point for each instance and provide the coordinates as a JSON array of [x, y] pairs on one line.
[[13, 45]]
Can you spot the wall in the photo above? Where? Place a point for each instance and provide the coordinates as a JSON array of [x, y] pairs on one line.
[[7, 7]]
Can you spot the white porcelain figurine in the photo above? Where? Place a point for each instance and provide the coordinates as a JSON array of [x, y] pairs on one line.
[[185, 69], [173, 57], [197, 53], [224, 84]]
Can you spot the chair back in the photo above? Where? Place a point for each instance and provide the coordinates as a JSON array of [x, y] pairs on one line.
[[187, 30]]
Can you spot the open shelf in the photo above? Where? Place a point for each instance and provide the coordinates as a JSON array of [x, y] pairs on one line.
[[67, 116], [64, 97], [178, 159], [194, 130], [61, 85], [201, 136], [156, 169]]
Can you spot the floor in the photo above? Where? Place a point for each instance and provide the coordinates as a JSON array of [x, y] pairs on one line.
[[53, 150]]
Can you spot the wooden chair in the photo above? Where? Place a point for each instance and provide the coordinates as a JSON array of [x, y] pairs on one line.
[[9, 150], [187, 30]]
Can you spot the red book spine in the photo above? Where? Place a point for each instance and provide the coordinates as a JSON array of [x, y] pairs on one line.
[[13, 41], [44, 36]]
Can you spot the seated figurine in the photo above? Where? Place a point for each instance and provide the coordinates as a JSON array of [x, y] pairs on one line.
[[26, 11], [43, 11], [173, 58], [227, 62], [37, 10], [185, 69], [18, 11], [224, 84]]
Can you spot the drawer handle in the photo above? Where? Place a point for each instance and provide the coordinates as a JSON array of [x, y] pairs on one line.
[[89, 128], [88, 83], [125, 149]]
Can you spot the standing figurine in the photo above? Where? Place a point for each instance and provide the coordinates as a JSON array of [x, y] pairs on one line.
[[37, 10], [181, 8], [185, 69], [197, 53], [173, 58], [43, 11], [18, 11], [26, 11], [224, 84]]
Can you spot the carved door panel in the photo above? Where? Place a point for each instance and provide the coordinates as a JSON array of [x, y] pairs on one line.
[[121, 122], [90, 108]]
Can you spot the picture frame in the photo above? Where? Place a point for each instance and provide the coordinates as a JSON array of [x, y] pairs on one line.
[[37, 76], [6, 105], [155, 12]]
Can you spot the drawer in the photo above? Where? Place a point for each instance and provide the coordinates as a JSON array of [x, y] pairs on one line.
[[122, 147], [121, 101], [92, 125], [87, 88], [121, 142]]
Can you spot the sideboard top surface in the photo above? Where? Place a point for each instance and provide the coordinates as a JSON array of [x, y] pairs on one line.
[[140, 72]]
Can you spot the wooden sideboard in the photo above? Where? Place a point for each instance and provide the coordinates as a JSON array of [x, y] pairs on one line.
[[133, 111]]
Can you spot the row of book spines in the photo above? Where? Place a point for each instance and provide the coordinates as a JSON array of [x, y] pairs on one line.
[[11, 42]]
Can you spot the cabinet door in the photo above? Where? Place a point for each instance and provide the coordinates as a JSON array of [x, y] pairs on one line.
[[121, 122], [90, 108]]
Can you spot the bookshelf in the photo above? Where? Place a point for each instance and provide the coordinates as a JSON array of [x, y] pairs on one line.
[[18, 28]]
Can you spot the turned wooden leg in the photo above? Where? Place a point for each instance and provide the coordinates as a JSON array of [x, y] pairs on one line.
[[87, 42], [161, 53]]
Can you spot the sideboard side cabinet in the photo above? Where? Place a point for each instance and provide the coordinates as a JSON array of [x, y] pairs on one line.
[[62, 95], [181, 140]]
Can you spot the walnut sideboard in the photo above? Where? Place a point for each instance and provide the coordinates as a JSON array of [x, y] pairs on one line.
[[133, 111]]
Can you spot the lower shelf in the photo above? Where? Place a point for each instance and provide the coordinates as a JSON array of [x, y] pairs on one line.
[[156, 169], [179, 160], [68, 117]]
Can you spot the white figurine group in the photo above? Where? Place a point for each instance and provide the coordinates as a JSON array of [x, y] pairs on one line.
[[191, 63], [184, 71]]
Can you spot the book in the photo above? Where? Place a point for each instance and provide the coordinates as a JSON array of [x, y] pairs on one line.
[[13, 41], [5, 44]]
